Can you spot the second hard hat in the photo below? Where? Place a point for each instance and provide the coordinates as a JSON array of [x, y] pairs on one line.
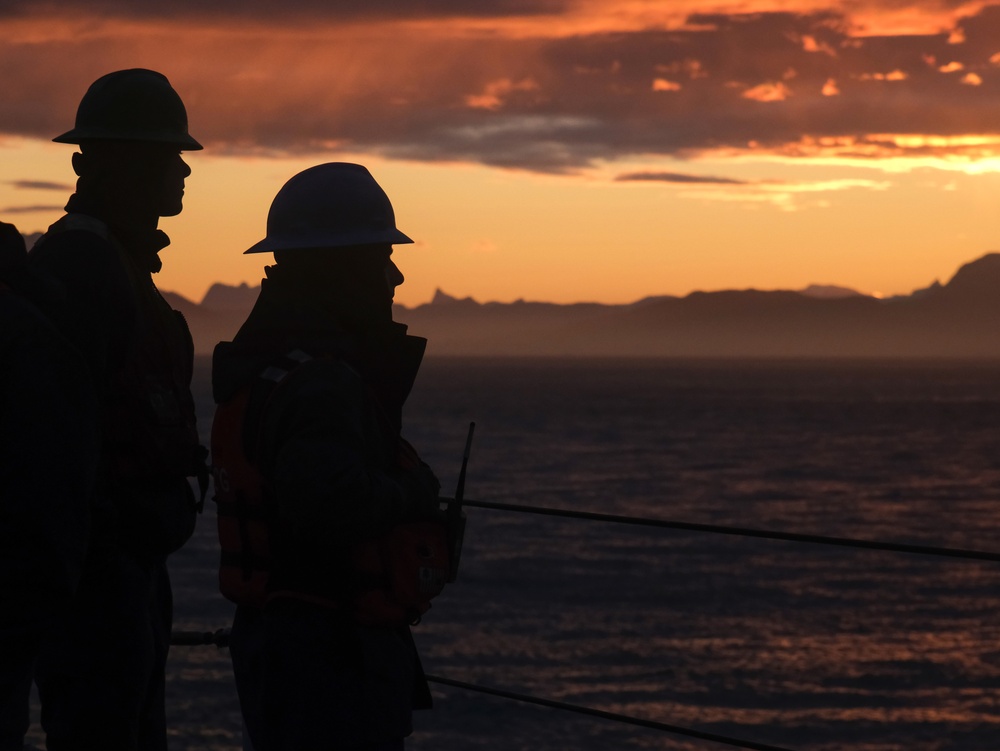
[[330, 205]]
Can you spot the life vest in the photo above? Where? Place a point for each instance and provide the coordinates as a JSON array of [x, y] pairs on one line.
[[393, 577]]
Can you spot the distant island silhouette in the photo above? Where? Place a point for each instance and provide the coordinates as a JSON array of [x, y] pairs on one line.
[[960, 319]]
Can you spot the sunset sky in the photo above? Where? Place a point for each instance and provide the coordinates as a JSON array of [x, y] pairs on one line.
[[560, 150]]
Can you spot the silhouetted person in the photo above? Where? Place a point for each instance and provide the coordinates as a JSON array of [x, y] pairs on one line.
[[311, 471], [101, 676], [48, 459]]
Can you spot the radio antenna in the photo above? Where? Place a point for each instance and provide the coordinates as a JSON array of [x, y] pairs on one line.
[[456, 516]]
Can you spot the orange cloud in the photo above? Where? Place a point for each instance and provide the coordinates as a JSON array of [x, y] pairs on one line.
[[874, 18], [830, 88], [895, 75], [662, 84], [768, 92], [953, 152], [810, 44], [493, 96]]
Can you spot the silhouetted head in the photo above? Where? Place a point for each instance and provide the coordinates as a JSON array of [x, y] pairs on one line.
[[331, 229], [13, 254], [18, 274], [131, 127]]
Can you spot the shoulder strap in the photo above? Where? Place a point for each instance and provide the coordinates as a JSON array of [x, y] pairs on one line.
[[79, 222]]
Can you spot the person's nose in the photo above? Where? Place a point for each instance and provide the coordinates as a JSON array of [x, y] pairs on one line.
[[393, 276]]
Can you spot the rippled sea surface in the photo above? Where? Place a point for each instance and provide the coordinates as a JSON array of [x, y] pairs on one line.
[[795, 645]]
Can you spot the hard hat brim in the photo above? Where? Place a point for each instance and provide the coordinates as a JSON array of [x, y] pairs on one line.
[[81, 135], [317, 240]]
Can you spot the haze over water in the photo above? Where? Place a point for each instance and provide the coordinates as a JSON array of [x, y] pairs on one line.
[[795, 645]]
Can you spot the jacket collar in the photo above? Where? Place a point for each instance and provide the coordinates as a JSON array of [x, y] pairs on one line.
[[386, 357], [143, 244]]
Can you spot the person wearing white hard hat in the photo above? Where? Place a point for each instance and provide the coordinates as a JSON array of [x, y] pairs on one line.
[[317, 490]]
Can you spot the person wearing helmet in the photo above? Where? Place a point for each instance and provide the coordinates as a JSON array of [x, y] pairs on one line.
[[48, 414], [100, 675], [310, 467]]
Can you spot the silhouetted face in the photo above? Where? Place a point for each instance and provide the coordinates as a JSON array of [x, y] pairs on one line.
[[174, 170], [358, 282], [160, 174], [144, 177]]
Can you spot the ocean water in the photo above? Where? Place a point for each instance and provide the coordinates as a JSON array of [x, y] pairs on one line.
[[796, 645]]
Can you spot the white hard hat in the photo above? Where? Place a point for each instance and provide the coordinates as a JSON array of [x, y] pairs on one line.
[[330, 206]]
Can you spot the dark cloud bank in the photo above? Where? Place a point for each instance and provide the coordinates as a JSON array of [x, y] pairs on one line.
[[549, 105]]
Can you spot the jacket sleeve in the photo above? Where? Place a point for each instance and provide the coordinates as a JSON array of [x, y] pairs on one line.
[[332, 472]]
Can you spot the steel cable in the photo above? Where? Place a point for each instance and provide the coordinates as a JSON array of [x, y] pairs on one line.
[[895, 547], [220, 638], [626, 719]]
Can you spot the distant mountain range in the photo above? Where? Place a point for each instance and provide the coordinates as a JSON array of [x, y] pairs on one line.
[[960, 319]]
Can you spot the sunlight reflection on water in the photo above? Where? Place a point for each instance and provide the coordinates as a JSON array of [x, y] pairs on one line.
[[800, 646]]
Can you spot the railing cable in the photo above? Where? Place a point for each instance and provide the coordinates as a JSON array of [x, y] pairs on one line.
[[979, 555], [220, 638], [626, 719]]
